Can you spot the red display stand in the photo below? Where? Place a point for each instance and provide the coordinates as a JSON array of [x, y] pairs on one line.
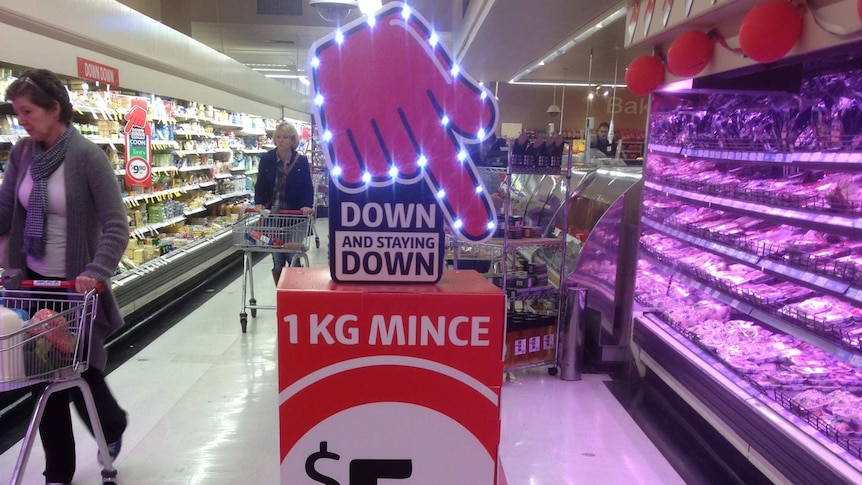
[[389, 382]]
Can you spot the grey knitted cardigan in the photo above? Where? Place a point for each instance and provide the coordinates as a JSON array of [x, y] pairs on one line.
[[97, 229]]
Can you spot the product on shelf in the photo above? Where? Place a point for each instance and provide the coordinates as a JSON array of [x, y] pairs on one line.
[[750, 246]]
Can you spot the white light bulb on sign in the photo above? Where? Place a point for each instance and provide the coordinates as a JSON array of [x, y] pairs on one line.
[[455, 70], [441, 193], [339, 37], [318, 100], [445, 120], [366, 177], [434, 39], [406, 12], [327, 135], [372, 20], [336, 170], [492, 225], [315, 62], [462, 155], [479, 189], [393, 171], [484, 95], [422, 161], [481, 134], [457, 224]]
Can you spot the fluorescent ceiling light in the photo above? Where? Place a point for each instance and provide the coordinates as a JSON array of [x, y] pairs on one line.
[[577, 39], [568, 84], [274, 69], [287, 76]]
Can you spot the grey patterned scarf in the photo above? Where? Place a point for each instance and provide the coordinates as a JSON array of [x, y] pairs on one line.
[[43, 165]]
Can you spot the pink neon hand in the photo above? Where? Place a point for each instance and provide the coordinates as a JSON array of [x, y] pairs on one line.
[[382, 95]]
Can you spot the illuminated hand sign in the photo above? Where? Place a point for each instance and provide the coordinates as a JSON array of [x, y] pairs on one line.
[[394, 107]]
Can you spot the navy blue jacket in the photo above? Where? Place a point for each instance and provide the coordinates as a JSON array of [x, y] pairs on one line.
[[297, 191]]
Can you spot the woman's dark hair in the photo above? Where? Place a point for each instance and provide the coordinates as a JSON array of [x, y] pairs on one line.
[[44, 88]]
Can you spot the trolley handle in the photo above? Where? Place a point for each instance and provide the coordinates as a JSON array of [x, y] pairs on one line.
[[63, 284], [291, 212]]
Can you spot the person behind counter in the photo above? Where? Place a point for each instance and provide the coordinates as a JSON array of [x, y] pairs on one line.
[[284, 183], [61, 208], [602, 143]]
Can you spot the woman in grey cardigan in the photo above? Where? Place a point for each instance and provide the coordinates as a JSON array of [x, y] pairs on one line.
[[61, 207]]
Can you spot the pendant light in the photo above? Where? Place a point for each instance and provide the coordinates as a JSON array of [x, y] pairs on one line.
[[563, 101], [553, 109]]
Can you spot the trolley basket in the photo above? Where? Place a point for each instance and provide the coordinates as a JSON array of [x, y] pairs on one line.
[[54, 343], [276, 232]]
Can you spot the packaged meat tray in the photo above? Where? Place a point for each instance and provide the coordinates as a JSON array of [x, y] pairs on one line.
[[811, 401], [826, 310], [786, 377]]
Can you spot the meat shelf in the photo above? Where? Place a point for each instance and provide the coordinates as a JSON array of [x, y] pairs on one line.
[[802, 326], [797, 217], [781, 395], [782, 256], [766, 421], [787, 272], [841, 160], [811, 200]]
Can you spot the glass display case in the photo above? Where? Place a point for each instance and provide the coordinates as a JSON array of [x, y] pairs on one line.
[[750, 266], [604, 216]]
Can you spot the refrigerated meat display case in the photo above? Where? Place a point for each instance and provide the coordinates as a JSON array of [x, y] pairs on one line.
[[749, 270]]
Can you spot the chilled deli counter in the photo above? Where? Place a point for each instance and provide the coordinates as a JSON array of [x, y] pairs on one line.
[[749, 270]]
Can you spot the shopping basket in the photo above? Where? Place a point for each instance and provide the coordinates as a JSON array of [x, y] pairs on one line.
[[283, 231], [52, 348]]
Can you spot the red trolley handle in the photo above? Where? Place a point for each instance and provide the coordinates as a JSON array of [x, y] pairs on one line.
[[50, 284]]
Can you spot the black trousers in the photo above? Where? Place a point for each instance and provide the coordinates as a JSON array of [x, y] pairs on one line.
[[56, 426]]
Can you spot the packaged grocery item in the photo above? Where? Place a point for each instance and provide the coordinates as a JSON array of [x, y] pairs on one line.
[[51, 345], [11, 345], [55, 330], [811, 400]]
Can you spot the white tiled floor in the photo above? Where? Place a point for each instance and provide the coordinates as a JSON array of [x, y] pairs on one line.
[[202, 404]]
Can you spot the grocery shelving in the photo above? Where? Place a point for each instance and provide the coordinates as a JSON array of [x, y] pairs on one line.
[[532, 323], [747, 257], [632, 149]]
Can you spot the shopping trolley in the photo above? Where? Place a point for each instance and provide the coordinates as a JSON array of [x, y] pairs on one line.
[[284, 231], [51, 348]]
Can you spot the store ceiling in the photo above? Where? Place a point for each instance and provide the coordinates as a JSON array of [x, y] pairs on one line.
[[494, 40]]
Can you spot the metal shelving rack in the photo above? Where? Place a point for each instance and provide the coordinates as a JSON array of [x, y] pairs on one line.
[[507, 250]]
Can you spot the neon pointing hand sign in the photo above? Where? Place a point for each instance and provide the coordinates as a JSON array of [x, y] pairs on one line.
[[393, 107]]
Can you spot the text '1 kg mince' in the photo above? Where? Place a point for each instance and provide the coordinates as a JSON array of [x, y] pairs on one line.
[[391, 330]]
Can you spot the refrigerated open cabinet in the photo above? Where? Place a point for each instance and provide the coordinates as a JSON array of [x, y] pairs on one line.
[[749, 270]]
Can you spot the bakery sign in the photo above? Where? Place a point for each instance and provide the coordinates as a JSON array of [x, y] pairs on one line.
[[398, 121]]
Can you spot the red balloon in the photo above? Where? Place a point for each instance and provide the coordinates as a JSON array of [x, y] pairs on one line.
[[770, 30], [644, 75], [689, 54]]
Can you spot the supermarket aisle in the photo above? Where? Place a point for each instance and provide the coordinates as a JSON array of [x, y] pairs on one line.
[[202, 404]]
